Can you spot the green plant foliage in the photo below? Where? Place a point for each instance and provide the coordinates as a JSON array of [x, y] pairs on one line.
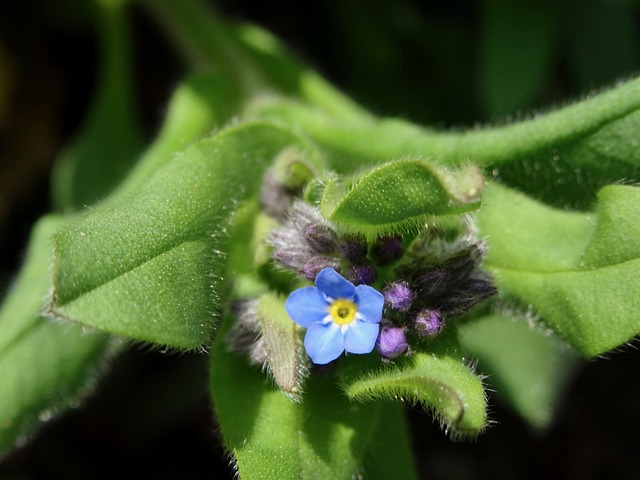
[[568, 267], [45, 367], [562, 157], [389, 452], [391, 197], [528, 366], [437, 377], [616, 227], [111, 138], [286, 360], [163, 248], [149, 268], [270, 436], [202, 103]]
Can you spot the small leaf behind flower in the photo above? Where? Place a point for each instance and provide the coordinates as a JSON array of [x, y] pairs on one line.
[[398, 195], [286, 359]]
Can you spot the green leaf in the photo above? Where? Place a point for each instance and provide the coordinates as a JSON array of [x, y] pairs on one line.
[[390, 451], [562, 157], [286, 360], [286, 74], [250, 56], [149, 267], [526, 366], [616, 238], [569, 268], [45, 367], [437, 377], [270, 436], [392, 196], [524, 234], [202, 102], [517, 51], [111, 138]]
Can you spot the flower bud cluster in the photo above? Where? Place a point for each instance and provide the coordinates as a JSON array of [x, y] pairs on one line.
[[434, 281], [306, 244], [423, 287], [426, 281]]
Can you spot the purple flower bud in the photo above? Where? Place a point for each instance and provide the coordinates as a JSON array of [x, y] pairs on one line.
[[363, 274], [428, 323], [353, 249], [320, 238], [398, 296], [312, 267], [391, 342], [387, 250]]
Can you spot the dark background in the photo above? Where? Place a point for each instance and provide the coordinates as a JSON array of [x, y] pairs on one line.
[[445, 64]]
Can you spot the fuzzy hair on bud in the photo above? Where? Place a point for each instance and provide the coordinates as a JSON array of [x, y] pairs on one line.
[[428, 323], [312, 267], [320, 238], [387, 250], [245, 337], [364, 274], [353, 248], [398, 296], [290, 248]]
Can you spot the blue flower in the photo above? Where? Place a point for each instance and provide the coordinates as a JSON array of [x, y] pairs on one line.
[[337, 315]]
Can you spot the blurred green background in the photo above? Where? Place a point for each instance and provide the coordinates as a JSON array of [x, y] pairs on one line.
[[449, 64]]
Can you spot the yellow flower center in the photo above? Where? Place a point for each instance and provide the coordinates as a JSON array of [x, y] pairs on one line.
[[342, 311]]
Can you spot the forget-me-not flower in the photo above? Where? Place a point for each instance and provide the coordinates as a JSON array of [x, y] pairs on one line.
[[338, 316]]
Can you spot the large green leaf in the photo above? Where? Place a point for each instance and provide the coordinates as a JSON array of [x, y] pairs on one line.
[[437, 377], [579, 272], [149, 267], [525, 365], [270, 436], [45, 367]]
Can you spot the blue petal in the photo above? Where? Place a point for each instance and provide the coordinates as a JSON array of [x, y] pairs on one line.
[[361, 337], [334, 285], [324, 342], [370, 303], [307, 306]]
